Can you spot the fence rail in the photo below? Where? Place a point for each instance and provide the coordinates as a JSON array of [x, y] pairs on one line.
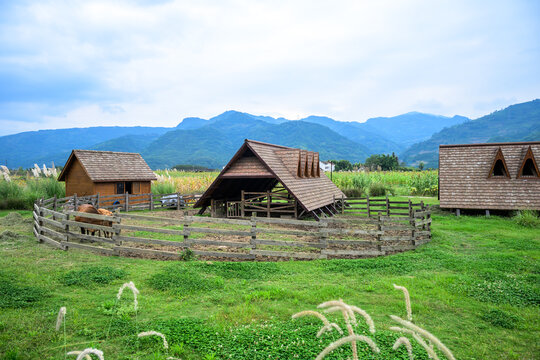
[[255, 238]]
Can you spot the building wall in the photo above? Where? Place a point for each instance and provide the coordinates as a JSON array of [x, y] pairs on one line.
[[138, 187], [464, 180], [77, 182]]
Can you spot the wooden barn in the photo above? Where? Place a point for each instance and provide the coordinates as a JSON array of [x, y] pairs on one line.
[[89, 172], [271, 180], [498, 176]]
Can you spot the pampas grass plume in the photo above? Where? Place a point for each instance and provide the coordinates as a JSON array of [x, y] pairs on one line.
[[345, 340], [86, 352], [155, 333], [404, 341], [86, 357], [130, 285], [60, 318], [407, 300]]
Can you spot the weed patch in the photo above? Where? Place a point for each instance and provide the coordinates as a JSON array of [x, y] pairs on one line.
[[242, 270], [92, 275], [14, 295], [181, 279], [500, 318], [502, 290]]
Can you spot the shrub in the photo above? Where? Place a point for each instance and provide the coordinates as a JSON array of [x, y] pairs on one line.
[[353, 192], [500, 318], [92, 274], [527, 218], [377, 189]]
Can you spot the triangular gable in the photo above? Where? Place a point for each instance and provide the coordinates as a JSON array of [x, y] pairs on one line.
[[499, 168], [528, 167], [247, 166]]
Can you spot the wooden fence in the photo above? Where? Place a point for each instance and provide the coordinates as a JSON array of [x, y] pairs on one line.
[[256, 238], [374, 206], [126, 202]]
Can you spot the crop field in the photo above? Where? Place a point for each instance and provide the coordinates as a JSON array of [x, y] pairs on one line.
[[25, 187], [476, 286]]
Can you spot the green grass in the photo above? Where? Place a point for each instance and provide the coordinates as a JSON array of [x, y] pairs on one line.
[[476, 286]]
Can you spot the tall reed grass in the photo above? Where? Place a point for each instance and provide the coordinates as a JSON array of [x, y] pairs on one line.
[[21, 194]]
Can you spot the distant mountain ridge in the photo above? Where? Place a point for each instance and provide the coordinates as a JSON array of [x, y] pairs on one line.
[[211, 142], [519, 122]]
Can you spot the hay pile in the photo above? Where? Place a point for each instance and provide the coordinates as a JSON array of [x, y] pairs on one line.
[[13, 219]]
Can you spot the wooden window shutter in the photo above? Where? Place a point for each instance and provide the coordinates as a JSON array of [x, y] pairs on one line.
[[528, 167]]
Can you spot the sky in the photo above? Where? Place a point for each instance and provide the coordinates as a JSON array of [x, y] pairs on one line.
[[91, 63]]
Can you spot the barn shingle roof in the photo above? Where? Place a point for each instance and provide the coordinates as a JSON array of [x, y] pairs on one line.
[[106, 166], [280, 162]]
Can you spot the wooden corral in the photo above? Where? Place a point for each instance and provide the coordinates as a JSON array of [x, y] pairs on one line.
[[498, 176], [271, 180], [89, 172], [254, 238]]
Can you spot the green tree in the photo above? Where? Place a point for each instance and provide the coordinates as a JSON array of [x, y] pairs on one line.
[[386, 162], [421, 165], [342, 165]]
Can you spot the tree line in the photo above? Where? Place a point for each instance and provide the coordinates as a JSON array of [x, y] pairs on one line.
[[384, 162]]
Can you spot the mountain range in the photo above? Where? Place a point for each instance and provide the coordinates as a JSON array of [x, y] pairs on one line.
[[211, 142]]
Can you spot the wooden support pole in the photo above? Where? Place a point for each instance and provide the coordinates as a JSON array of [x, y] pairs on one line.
[[97, 200], [367, 204], [177, 201], [151, 206], [186, 228], [295, 209], [126, 202], [458, 213], [242, 204], [487, 212], [387, 206], [75, 202], [55, 204], [342, 204], [268, 202], [253, 230]]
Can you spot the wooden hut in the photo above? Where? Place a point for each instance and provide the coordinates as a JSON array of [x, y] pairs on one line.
[[271, 180], [89, 172], [498, 176]]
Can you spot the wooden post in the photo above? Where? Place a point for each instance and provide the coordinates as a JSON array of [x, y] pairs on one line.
[[212, 208], [242, 204], [367, 205], [177, 201], [97, 200], [458, 213], [151, 207], [295, 209], [253, 230], [323, 235], [487, 212], [75, 202], [387, 206], [186, 228], [342, 204], [268, 201], [54, 204], [126, 202], [410, 208], [423, 209], [379, 228]]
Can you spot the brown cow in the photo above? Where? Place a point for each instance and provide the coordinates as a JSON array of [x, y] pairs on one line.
[[105, 222], [89, 209]]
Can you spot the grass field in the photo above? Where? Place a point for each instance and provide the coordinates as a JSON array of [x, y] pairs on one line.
[[476, 286]]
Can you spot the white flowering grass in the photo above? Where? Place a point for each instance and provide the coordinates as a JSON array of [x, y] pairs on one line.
[[86, 352], [60, 318], [130, 285], [77, 353], [155, 333], [348, 339], [327, 327], [405, 342], [407, 300]]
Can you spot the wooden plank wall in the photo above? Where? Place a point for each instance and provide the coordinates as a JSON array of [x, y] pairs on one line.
[[464, 180]]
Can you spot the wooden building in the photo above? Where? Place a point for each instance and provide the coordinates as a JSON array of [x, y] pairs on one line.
[[498, 176], [89, 172], [271, 180]]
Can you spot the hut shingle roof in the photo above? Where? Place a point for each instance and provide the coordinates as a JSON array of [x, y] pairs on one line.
[[105, 166], [282, 162]]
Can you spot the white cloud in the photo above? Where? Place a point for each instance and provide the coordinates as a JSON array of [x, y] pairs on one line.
[[346, 59]]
